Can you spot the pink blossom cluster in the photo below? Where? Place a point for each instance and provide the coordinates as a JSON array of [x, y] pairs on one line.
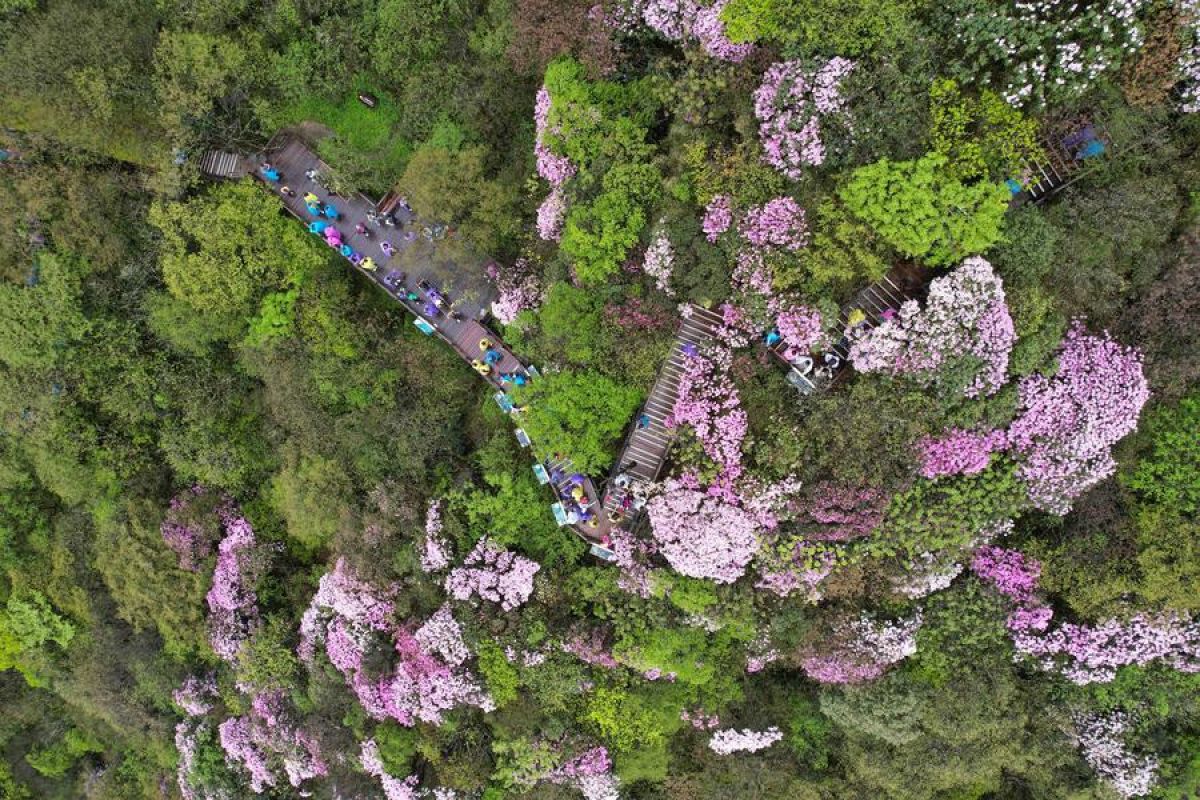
[[196, 694], [700, 720], [591, 773], [659, 262], [1100, 737], [352, 618], [844, 512], [782, 581], [494, 574], [701, 535], [800, 327], [591, 648], [1093, 653], [190, 541], [631, 554], [1014, 574], [779, 222], [925, 575], [959, 452], [670, 19], [435, 554], [752, 274], [267, 736], [526, 658], [760, 653], [793, 104], [1068, 423], [737, 329], [555, 169], [551, 215], [393, 788], [187, 735], [718, 217], [965, 317], [519, 287], [862, 650], [232, 609], [729, 741], [710, 31], [709, 403]]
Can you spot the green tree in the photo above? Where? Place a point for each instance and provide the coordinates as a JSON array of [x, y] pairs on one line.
[[983, 138], [599, 235], [924, 212], [830, 27], [38, 323], [581, 414], [225, 249], [311, 493], [1169, 475]]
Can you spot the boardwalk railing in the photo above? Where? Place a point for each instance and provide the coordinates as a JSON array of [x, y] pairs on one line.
[[647, 447]]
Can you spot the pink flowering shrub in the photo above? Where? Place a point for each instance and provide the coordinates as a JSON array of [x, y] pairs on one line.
[[924, 575], [1093, 653], [700, 720], [777, 223], [710, 31], [1100, 739], [760, 653], [428, 677], [393, 788], [730, 741], [844, 512], [196, 694], [959, 452], [494, 574], [670, 19], [636, 314], [551, 215], [232, 603], [659, 262], [435, 555], [752, 274], [631, 555], [554, 169], [709, 403], [700, 535], [1014, 574], [1068, 423], [187, 744], [190, 525], [861, 650], [590, 772], [965, 322], [718, 217], [266, 740], [795, 104], [520, 290], [591, 648], [800, 327]]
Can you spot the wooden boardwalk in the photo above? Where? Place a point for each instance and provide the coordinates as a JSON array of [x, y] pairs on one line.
[[875, 301], [465, 294], [645, 451]]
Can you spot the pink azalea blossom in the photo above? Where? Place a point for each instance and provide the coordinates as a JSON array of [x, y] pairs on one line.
[[708, 28], [494, 574], [708, 402], [777, 223], [959, 452], [551, 215], [794, 104], [718, 217], [965, 317], [1068, 423], [1100, 737], [659, 262], [700, 535], [1013, 574], [196, 695], [861, 650], [730, 741]]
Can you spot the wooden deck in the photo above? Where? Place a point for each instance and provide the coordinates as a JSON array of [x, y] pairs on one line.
[[645, 451], [467, 291], [884, 296]]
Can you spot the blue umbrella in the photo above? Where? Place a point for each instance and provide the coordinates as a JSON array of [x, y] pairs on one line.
[[347, 250], [317, 226], [331, 211]]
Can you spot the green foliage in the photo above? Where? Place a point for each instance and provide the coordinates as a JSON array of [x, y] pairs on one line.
[[1168, 558], [580, 414], [828, 27], [224, 250], [54, 761], [267, 661], [27, 625], [38, 323], [308, 492], [633, 721], [950, 512], [599, 235], [982, 138], [842, 255], [501, 677], [397, 747], [924, 212], [809, 734], [573, 325], [1169, 475]]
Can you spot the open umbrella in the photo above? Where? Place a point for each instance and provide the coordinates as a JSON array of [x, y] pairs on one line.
[[317, 226], [331, 211], [346, 250]]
